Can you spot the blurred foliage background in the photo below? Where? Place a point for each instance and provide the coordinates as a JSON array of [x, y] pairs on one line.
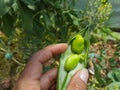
[[29, 25]]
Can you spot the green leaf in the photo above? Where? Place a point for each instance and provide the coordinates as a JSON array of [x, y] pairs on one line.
[[47, 20], [111, 76], [74, 19], [97, 75], [5, 5], [114, 75], [27, 17], [87, 45], [8, 24], [116, 35], [31, 4], [39, 29], [114, 86], [117, 74]]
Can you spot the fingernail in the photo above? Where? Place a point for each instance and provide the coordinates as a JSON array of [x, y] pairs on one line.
[[84, 75]]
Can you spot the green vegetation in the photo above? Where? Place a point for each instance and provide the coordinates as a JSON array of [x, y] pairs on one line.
[[29, 25]]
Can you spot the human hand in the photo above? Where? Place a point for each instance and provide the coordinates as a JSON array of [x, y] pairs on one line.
[[32, 77]]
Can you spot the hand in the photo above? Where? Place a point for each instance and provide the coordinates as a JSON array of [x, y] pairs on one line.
[[79, 80], [32, 77]]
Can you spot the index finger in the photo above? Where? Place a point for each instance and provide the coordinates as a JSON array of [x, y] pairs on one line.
[[33, 68]]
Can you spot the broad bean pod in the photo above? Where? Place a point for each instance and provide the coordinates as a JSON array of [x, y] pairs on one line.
[[74, 59]]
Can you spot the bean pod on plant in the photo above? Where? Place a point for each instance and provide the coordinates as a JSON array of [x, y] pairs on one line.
[[73, 59]]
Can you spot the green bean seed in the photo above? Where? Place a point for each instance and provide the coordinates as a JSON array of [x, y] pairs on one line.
[[77, 45], [71, 62]]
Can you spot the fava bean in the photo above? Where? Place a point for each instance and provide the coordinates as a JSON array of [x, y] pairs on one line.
[[71, 62], [77, 44]]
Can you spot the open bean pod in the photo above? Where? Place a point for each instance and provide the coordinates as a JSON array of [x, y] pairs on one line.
[[74, 59]]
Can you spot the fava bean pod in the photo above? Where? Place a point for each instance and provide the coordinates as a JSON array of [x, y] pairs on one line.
[[74, 59]]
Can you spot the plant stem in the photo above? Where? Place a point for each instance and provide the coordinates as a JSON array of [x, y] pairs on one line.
[[18, 62], [2, 49]]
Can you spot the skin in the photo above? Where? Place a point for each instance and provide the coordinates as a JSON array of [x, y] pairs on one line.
[[32, 77]]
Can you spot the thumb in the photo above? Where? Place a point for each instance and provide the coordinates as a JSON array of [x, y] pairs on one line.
[[79, 80]]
